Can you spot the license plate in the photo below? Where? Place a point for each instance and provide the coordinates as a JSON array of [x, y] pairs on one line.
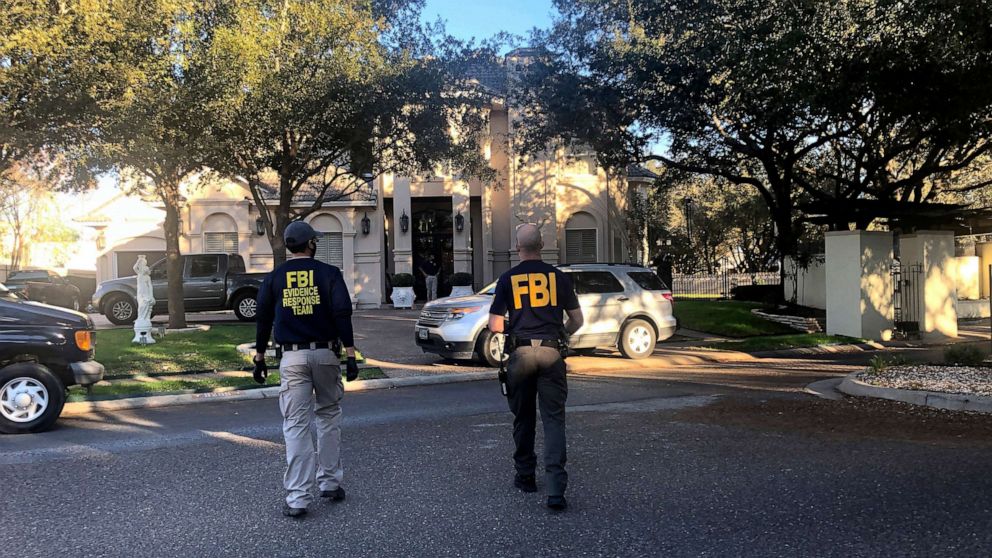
[[422, 333]]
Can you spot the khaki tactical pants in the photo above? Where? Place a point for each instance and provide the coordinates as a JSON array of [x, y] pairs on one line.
[[303, 374]]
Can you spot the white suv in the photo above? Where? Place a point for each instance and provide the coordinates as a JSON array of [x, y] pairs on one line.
[[625, 306]]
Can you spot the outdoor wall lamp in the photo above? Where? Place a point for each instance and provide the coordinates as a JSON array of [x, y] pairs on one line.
[[259, 226], [366, 224], [404, 222], [459, 222]]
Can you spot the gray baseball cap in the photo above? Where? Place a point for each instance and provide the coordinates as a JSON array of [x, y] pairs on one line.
[[298, 233]]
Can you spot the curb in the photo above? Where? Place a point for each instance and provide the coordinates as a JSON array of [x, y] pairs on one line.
[[823, 350], [947, 401], [233, 394]]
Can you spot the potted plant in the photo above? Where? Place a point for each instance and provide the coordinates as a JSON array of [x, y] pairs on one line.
[[402, 296], [461, 284]]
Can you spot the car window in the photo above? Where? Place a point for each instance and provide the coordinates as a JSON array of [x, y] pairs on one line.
[[236, 264], [595, 282], [647, 280], [5, 293], [159, 272], [203, 266]]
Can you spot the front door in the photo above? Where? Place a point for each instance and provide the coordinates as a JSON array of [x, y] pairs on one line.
[[433, 235]]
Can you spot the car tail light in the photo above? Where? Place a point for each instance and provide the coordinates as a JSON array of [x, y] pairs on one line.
[[84, 340], [669, 297]]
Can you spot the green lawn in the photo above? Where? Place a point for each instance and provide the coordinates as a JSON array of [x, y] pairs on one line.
[[215, 349], [162, 386], [780, 342], [728, 318]]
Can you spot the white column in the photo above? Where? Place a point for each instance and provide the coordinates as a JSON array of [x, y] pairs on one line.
[[933, 253], [403, 241], [461, 248], [859, 284]]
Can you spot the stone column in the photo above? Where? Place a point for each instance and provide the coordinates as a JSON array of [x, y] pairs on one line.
[[403, 243], [933, 252], [461, 247], [859, 284]]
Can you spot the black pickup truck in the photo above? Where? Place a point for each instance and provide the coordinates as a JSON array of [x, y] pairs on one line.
[[43, 350], [210, 282]]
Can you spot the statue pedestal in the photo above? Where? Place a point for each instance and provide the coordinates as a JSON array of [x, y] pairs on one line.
[[143, 332]]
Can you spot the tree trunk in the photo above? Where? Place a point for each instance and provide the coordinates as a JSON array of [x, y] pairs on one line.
[[277, 241], [174, 261]]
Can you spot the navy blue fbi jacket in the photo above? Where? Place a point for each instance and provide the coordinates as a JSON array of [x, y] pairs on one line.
[[308, 302], [536, 295]]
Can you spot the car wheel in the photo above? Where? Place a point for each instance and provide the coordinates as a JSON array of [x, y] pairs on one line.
[[245, 307], [121, 310], [31, 398], [637, 339], [490, 349]]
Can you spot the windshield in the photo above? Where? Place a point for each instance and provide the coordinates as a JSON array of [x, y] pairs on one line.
[[489, 289], [5, 292]]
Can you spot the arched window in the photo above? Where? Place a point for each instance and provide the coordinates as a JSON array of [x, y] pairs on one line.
[[581, 233], [330, 248], [220, 234]]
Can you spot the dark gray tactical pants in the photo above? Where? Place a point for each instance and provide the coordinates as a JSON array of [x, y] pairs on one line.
[[539, 373]]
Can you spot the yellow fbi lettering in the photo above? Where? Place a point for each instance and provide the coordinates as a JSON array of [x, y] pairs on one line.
[[300, 294], [540, 288]]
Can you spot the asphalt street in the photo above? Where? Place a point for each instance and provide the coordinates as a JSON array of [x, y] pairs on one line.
[[659, 467]]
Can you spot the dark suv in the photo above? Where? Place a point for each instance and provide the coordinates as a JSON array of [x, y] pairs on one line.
[[43, 349]]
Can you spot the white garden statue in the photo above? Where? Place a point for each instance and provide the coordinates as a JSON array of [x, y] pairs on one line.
[[146, 301]]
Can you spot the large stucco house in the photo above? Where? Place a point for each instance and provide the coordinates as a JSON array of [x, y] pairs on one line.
[[467, 225]]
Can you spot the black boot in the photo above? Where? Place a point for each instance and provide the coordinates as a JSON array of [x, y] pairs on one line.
[[527, 483]]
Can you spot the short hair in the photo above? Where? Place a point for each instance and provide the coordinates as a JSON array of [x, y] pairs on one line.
[[529, 237], [298, 248]]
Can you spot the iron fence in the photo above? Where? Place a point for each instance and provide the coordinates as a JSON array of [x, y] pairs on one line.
[[718, 285]]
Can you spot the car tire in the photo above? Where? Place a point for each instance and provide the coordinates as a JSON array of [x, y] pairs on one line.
[[120, 310], [31, 398], [637, 339], [487, 349], [245, 306]]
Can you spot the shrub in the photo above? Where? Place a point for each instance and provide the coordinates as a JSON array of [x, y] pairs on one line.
[[461, 279], [964, 355], [879, 363], [766, 294], [402, 280]]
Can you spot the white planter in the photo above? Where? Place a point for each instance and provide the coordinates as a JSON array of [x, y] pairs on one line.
[[462, 291], [402, 297]]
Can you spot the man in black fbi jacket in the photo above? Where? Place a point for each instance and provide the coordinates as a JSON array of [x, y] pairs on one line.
[[536, 295], [309, 304]]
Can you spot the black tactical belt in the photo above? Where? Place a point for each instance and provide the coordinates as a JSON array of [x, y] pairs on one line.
[[553, 343], [313, 346]]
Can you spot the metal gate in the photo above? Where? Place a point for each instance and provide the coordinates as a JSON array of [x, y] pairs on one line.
[[906, 297]]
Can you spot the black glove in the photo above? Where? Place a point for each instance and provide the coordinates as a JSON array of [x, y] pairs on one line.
[[261, 371], [352, 368]]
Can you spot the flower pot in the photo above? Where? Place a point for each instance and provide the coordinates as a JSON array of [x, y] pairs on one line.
[[402, 297], [462, 290]]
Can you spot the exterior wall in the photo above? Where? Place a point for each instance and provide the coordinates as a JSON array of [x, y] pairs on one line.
[[967, 277], [860, 297], [810, 287], [984, 252], [934, 251]]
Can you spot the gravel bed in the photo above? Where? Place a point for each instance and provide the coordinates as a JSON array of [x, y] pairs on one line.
[[966, 380]]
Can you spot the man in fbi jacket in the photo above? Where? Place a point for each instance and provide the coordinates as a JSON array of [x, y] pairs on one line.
[[536, 295], [308, 303]]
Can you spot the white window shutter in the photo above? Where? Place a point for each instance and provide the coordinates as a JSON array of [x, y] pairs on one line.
[[220, 243], [330, 249], [580, 246]]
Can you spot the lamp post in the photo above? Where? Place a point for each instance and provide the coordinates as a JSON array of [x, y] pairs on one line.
[[688, 218]]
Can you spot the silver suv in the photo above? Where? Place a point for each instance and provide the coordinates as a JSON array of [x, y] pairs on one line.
[[625, 306]]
